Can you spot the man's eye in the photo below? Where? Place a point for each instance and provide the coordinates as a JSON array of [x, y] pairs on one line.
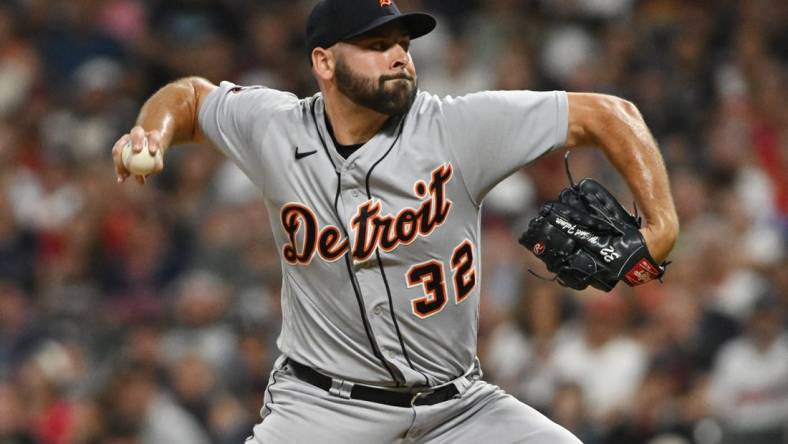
[[378, 46]]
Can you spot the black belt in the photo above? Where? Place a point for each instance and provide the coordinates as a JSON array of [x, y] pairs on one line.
[[374, 394]]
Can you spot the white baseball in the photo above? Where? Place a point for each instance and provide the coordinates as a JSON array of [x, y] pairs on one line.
[[142, 163]]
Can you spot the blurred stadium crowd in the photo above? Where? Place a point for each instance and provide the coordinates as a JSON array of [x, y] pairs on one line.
[[148, 315]]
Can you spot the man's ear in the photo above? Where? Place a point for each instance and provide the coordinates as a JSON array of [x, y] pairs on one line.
[[323, 63]]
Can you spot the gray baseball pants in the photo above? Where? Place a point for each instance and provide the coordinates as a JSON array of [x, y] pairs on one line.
[[296, 412]]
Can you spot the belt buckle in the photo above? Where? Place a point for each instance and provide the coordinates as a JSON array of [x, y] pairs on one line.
[[417, 395]]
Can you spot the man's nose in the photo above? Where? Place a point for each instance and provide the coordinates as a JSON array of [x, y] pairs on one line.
[[400, 58]]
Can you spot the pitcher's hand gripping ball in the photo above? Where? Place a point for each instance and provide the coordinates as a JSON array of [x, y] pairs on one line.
[[586, 237], [141, 163]]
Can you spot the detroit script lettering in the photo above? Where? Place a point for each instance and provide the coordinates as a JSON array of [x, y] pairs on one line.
[[372, 230]]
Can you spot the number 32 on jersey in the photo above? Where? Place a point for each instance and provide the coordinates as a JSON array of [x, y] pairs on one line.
[[432, 277]]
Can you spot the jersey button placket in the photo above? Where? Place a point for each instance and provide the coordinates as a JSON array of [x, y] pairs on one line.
[[368, 281], [377, 308]]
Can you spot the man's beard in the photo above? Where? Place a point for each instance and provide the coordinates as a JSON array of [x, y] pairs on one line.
[[396, 99]]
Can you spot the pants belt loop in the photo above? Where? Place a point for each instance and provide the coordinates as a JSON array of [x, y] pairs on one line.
[[473, 373], [462, 384], [340, 388]]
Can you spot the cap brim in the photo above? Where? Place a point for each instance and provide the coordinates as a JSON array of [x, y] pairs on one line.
[[417, 24]]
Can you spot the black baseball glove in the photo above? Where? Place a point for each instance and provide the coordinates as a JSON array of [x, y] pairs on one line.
[[587, 237]]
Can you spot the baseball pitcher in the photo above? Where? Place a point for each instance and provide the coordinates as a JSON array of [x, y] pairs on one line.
[[374, 192]]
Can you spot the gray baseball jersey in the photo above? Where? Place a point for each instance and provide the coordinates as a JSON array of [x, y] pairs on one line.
[[380, 251]]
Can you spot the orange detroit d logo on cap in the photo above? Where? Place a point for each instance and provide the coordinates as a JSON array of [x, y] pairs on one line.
[[385, 3]]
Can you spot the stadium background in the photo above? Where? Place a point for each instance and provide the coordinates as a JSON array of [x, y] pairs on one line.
[[148, 315]]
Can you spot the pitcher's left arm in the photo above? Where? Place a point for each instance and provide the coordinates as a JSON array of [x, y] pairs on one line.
[[616, 127]]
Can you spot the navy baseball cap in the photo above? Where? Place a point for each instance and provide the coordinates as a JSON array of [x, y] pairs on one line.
[[333, 21]]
